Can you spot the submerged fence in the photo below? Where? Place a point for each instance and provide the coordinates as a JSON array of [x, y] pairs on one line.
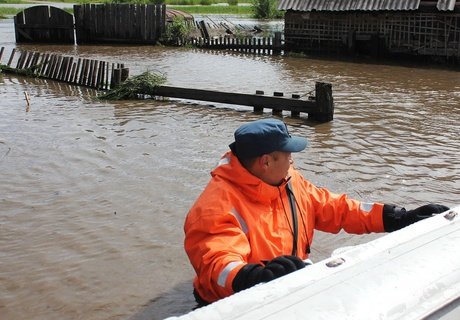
[[101, 75], [266, 45]]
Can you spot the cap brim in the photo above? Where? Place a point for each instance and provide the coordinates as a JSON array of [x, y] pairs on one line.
[[295, 144]]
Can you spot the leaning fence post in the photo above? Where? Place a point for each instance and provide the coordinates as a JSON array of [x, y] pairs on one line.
[[277, 43], [119, 75], [324, 103]]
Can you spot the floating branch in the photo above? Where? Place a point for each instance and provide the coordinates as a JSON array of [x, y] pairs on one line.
[[136, 87]]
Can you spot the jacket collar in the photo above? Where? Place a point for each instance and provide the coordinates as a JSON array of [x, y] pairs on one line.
[[230, 169]]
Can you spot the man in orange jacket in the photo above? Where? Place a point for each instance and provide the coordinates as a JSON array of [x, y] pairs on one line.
[[254, 221]]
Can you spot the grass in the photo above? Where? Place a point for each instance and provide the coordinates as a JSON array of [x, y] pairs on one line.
[[192, 9], [5, 11], [12, 1], [239, 10]]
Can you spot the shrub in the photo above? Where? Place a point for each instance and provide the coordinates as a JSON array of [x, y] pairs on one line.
[[266, 9], [176, 31]]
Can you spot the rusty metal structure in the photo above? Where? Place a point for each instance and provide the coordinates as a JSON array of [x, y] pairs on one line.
[[374, 27]]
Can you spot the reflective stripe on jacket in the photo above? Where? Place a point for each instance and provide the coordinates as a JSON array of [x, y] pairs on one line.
[[239, 219]]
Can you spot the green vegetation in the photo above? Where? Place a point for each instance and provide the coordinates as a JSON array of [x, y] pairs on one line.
[[192, 9], [176, 31], [136, 1], [29, 72], [10, 1], [260, 9], [136, 87], [5, 11], [266, 9], [238, 10]]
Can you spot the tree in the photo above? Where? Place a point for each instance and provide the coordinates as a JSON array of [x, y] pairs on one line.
[[266, 9]]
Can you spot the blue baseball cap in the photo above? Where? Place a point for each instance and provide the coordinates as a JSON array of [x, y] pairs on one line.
[[265, 136]]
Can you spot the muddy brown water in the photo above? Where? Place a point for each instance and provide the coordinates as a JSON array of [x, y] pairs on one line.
[[93, 194]]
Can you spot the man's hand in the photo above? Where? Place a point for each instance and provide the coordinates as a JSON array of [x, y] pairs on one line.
[[252, 274], [395, 218]]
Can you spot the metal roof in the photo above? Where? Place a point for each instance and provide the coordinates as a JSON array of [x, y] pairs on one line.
[[444, 5], [364, 5]]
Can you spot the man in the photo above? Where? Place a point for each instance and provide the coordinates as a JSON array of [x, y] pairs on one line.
[[254, 221]]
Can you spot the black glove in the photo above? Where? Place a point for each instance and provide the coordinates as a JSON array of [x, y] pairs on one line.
[[252, 274], [395, 218]]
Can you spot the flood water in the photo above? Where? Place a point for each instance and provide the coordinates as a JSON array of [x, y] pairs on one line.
[[93, 194]]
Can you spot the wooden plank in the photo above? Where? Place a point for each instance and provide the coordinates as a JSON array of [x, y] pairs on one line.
[[92, 21], [35, 58], [150, 23], [142, 17], [48, 67], [99, 74], [75, 77], [238, 99], [131, 21], [111, 25], [107, 73], [78, 11], [61, 70], [161, 26], [90, 72], [18, 19], [22, 60], [94, 73], [118, 21], [28, 60], [72, 73], [55, 73], [100, 27], [83, 74], [68, 69]]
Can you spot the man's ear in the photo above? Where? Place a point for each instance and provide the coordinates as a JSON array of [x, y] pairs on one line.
[[264, 161]]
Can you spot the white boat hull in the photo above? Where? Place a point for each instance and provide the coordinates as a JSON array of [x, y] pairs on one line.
[[413, 273]]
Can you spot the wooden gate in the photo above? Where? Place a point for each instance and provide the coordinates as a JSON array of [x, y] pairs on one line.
[[122, 23], [44, 24]]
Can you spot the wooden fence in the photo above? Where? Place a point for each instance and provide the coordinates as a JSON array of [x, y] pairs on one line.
[[264, 45], [103, 75], [44, 24], [122, 23], [96, 74], [319, 108]]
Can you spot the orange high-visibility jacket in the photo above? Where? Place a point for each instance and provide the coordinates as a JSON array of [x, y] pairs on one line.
[[239, 219]]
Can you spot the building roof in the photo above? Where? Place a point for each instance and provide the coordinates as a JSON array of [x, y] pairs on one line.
[[360, 5]]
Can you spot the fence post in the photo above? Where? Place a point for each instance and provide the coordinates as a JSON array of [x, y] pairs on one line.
[[324, 103], [119, 75], [277, 43]]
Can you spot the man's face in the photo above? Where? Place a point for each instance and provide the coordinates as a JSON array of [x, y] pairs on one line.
[[278, 167]]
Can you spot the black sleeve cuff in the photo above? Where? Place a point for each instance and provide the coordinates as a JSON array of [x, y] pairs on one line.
[[394, 218]]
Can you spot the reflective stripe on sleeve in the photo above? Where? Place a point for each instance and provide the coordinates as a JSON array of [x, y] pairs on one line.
[[224, 274], [365, 206], [225, 160], [243, 224]]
